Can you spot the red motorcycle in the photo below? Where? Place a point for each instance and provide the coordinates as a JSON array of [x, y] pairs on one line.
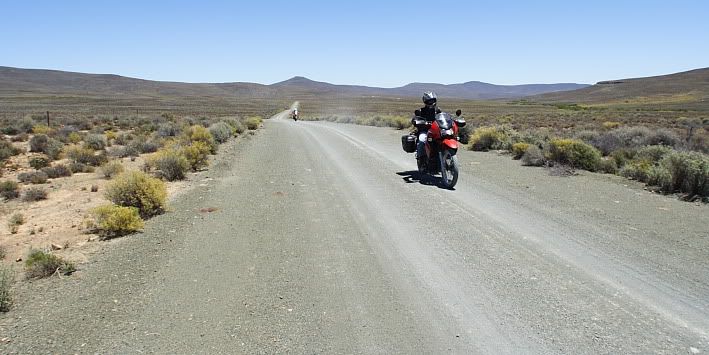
[[440, 148]]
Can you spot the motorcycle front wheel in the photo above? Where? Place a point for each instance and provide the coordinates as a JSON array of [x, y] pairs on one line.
[[421, 164], [449, 169]]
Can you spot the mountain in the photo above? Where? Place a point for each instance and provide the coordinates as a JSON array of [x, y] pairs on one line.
[[39, 81], [480, 90], [690, 87]]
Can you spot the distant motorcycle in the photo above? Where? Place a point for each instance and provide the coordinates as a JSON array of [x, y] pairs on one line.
[[441, 147], [294, 115]]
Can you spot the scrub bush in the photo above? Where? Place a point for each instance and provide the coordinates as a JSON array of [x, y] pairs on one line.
[[34, 194], [170, 164], [137, 189], [220, 131], [533, 156], [689, 173], [518, 149], [115, 221], [197, 155], [111, 169], [492, 137], [56, 171], [9, 189], [42, 264], [7, 278], [253, 122], [95, 141], [33, 177], [86, 155], [39, 162], [575, 153]]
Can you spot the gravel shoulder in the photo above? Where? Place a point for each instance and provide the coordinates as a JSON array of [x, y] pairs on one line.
[[321, 239]]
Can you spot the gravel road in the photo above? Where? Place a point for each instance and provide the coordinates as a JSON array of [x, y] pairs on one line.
[[324, 240]]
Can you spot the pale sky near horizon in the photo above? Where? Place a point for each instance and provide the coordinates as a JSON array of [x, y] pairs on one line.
[[375, 43]]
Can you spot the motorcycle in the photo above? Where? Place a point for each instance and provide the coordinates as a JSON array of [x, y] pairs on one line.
[[441, 147], [295, 115]]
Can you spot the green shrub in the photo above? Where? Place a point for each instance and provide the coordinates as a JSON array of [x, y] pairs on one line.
[[220, 131], [587, 136], [39, 162], [26, 124], [7, 278], [608, 166], [197, 155], [38, 143], [86, 156], [15, 221], [34, 177], [143, 145], [54, 149], [689, 173], [638, 169], [492, 137], [168, 129], [253, 122], [575, 153], [56, 171], [74, 138], [137, 189], [76, 167], [115, 221], [622, 156], [199, 134], [123, 138], [7, 150], [170, 164], [41, 129], [238, 127], [611, 125], [653, 153], [518, 149], [95, 141], [400, 122], [34, 194], [42, 264], [10, 130], [533, 156], [660, 176], [9, 189], [22, 137], [124, 152], [111, 169]]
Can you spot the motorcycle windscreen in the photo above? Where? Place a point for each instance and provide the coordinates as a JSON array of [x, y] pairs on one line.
[[444, 120]]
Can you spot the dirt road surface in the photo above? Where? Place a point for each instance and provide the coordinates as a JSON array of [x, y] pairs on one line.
[[322, 239]]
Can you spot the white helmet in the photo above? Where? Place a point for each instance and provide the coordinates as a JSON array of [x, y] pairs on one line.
[[429, 98]]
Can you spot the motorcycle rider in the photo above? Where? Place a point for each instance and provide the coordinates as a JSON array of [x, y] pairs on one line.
[[428, 112]]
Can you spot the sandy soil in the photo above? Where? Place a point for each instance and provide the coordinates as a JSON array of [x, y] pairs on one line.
[[63, 219]]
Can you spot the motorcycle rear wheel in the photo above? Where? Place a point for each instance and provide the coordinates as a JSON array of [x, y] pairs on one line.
[[449, 169]]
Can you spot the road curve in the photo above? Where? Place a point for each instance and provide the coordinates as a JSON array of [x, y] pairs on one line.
[[325, 240]]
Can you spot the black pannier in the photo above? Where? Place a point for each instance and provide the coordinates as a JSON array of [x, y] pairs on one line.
[[408, 143]]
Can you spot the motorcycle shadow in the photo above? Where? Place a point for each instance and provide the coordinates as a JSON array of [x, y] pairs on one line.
[[413, 176]]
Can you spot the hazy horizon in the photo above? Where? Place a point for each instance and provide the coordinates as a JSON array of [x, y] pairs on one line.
[[366, 43]]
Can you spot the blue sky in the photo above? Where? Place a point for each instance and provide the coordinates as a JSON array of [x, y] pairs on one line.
[[377, 43]]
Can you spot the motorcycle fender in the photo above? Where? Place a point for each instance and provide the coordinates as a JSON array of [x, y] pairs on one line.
[[451, 143]]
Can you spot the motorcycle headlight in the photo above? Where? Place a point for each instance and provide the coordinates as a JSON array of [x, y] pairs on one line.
[[447, 132]]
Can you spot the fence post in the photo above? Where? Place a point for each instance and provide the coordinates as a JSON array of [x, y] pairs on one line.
[[47, 118]]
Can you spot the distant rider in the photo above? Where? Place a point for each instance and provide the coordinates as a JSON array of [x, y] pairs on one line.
[[428, 112]]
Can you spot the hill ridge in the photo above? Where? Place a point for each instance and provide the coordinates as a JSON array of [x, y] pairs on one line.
[[67, 82]]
